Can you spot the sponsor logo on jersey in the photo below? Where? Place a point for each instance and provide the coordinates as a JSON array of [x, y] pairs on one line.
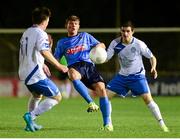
[[75, 49]]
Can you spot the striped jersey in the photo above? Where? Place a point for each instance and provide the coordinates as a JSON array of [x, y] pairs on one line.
[[129, 55], [31, 61]]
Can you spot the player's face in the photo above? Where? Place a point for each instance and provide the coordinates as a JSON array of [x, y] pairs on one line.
[[126, 33], [73, 27]]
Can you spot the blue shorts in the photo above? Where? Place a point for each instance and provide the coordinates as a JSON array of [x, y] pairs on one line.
[[44, 87], [122, 84], [88, 72]]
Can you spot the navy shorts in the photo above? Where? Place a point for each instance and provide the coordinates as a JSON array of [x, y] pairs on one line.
[[89, 73]]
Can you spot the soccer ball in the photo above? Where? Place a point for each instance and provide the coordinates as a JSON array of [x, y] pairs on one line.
[[98, 55]]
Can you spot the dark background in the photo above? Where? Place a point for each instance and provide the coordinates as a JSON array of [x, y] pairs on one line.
[[98, 14], [93, 13]]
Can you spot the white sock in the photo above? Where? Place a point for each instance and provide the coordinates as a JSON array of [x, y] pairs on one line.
[[110, 110], [33, 103], [156, 112], [44, 106]]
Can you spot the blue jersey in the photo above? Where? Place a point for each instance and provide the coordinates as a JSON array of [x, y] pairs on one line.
[[76, 48]]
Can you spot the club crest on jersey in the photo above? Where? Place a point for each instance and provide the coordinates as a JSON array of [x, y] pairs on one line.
[[47, 45], [75, 49], [133, 49]]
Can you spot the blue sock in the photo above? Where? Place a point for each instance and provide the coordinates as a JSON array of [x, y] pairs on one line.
[[105, 107], [82, 89]]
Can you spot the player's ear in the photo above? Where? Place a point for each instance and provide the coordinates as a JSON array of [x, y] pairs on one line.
[[79, 27], [132, 31]]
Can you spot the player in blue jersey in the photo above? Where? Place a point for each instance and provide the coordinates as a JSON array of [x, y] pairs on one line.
[[82, 72], [131, 76], [34, 49]]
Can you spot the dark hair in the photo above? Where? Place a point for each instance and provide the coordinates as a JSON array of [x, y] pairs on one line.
[[128, 24], [72, 18], [40, 14]]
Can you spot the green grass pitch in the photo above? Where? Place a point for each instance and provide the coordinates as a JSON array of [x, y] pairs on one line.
[[69, 119]]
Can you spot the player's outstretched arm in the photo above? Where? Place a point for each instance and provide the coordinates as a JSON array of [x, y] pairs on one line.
[[51, 59]]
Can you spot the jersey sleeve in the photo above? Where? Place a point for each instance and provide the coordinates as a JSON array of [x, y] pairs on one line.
[[42, 41], [145, 50], [110, 50], [93, 41]]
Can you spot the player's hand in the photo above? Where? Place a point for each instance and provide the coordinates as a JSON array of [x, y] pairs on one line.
[[64, 69], [101, 45], [154, 72], [46, 70]]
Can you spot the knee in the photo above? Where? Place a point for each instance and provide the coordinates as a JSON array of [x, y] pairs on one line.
[[147, 98], [58, 97], [74, 75], [36, 96], [100, 90]]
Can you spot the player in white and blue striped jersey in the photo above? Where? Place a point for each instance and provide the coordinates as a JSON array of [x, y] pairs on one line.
[[131, 76], [34, 49]]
